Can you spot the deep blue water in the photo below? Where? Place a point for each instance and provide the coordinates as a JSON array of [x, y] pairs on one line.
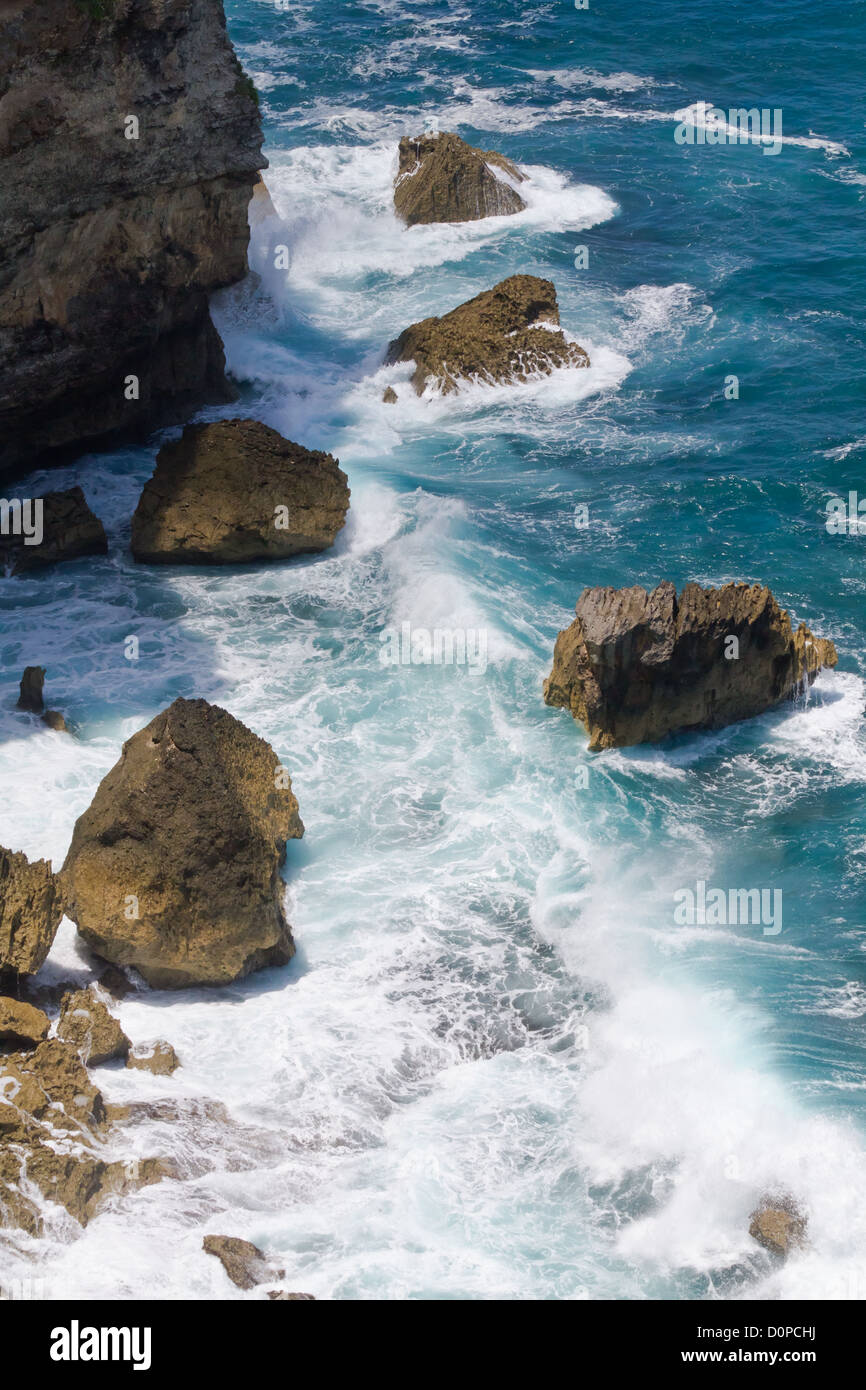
[[497, 1066]]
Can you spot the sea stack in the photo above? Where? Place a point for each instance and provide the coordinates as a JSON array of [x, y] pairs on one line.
[[635, 666], [442, 179], [505, 335]]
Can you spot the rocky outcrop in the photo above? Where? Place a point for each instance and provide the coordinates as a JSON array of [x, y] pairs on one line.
[[130, 142], [30, 698], [238, 491], [30, 912], [779, 1226], [161, 1060], [53, 1124], [69, 530], [442, 179], [86, 1024], [174, 868], [244, 1263], [635, 666], [21, 1024], [497, 337]]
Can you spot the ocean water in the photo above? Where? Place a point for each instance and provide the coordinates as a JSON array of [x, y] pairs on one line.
[[497, 1067]]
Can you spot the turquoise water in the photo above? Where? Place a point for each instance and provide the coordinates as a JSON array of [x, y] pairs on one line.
[[497, 1067]]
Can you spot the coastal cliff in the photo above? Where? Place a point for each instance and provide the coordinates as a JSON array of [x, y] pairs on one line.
[[130, 142]]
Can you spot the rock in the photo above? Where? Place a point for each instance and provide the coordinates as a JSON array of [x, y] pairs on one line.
[[780, 1227], [635, 666], [390, 396], [86, 1023], [174, 868], [244, 1263], [21, 1024], [262, 204], [54, 720], [238, 491], [115, 983], [496, 337], [52, 1084], [162, 1060], [442, 179], [280, 1295], [111, 245], [69, 530], [30, 912], [30, 696]]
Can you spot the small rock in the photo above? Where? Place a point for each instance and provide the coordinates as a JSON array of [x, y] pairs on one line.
[[162, 1060], [280, 1295], [115, 983], [30, 913], [503, 336], [54, 719], [779, 1226], [390, 396], [244, 1263], [69, 530], [21, 1023], [30, 696], [442, 179], [86, 1023]]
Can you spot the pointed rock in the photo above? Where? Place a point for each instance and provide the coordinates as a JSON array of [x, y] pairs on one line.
[[30, 912], [442, 179]]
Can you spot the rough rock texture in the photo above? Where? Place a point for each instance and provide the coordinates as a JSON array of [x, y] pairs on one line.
[[244, 1263], [21, 1023], [442, 179], [30, 690], [495, 337], [281, 1296], [52, 1125], [236, 491], [161, 1060], [30, 912], [174, 868], [780, 1227], [86, 1023], [635, 666], [69, 530], [54, 719], [111, 245]]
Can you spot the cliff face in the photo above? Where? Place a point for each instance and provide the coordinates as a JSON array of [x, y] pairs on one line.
[[110, 245]]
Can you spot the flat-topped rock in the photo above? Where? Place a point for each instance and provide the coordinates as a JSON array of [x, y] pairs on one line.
[[21, 1024], [175, 866], [237, 491], [637, 665], [505, 335], [443, 179]]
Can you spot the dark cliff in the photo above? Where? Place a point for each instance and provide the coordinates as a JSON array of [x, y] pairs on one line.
[[109, 245]]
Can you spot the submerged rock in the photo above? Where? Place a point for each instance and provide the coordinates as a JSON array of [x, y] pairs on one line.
[[53, 1122], [86, 1023], [779, 1226], [30, 912], [244, 1263], [497, 337], [174, 868], [282, 1296], [21, 1023], [442, 179], [161, 1060], [635, 666], [69, 530], [238, 491]]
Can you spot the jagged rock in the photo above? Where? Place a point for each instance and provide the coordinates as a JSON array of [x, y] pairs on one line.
[[162, 1060], [635, 666], [237, 491], [244, 1263], [779, 1226], [30, 912], [174, 868], [21, 1023], [496, 337], [53, 1124], [86, 1023], [389, 396], [111, 245], [69, 530], [442, 179], [30, 690], [281, 1296]]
